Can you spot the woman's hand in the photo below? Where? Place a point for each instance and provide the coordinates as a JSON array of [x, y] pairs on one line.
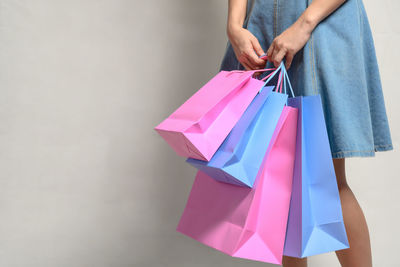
[[286, 45], [289, 42], [247, 48]]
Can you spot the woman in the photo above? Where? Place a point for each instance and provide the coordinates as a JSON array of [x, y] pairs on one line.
[[328, 48]]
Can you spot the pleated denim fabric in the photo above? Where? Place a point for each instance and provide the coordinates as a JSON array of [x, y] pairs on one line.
[[339, 63]]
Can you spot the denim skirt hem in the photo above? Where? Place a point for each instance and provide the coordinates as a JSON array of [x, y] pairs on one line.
[[361, 153]]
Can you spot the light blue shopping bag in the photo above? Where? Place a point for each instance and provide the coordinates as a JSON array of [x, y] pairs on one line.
[[315, 223], [238, 159]]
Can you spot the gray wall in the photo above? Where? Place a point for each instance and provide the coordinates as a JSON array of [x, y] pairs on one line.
[[84, 180]]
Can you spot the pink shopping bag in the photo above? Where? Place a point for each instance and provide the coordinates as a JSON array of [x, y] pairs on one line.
[[247, 222], [198, 127]]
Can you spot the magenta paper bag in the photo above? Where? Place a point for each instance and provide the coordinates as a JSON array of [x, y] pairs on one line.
[[247, 222], [198, 127]]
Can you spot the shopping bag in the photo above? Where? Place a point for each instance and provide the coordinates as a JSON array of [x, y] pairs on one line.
[[247, 222], [315, 223], [198, 127], [238, 159]]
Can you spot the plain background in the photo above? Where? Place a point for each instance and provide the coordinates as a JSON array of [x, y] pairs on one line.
[[84, 179]]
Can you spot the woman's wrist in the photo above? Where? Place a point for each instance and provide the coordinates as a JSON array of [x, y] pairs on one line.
[[308, 21], [232, 28]]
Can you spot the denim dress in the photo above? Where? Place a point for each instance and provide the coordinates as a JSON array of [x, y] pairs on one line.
[[339, 63]]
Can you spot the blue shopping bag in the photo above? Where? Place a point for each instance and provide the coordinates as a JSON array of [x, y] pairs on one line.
[[315, 223], [239, 158]]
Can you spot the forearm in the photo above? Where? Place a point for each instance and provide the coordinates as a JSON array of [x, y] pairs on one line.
[[236, 14], [317, 11]]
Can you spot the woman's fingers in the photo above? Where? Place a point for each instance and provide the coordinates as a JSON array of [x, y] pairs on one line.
[[255, 61], [246, 64], [255, 58], [278, 56], [257, 47], [289, 59], [270, 51], [251, 60], [254, 53], [277, 52]]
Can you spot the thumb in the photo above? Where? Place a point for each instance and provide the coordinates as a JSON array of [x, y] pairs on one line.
[[257, 47]]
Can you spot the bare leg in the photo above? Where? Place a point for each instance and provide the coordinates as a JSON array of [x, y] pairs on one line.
[[294, 262], [359, 253]]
